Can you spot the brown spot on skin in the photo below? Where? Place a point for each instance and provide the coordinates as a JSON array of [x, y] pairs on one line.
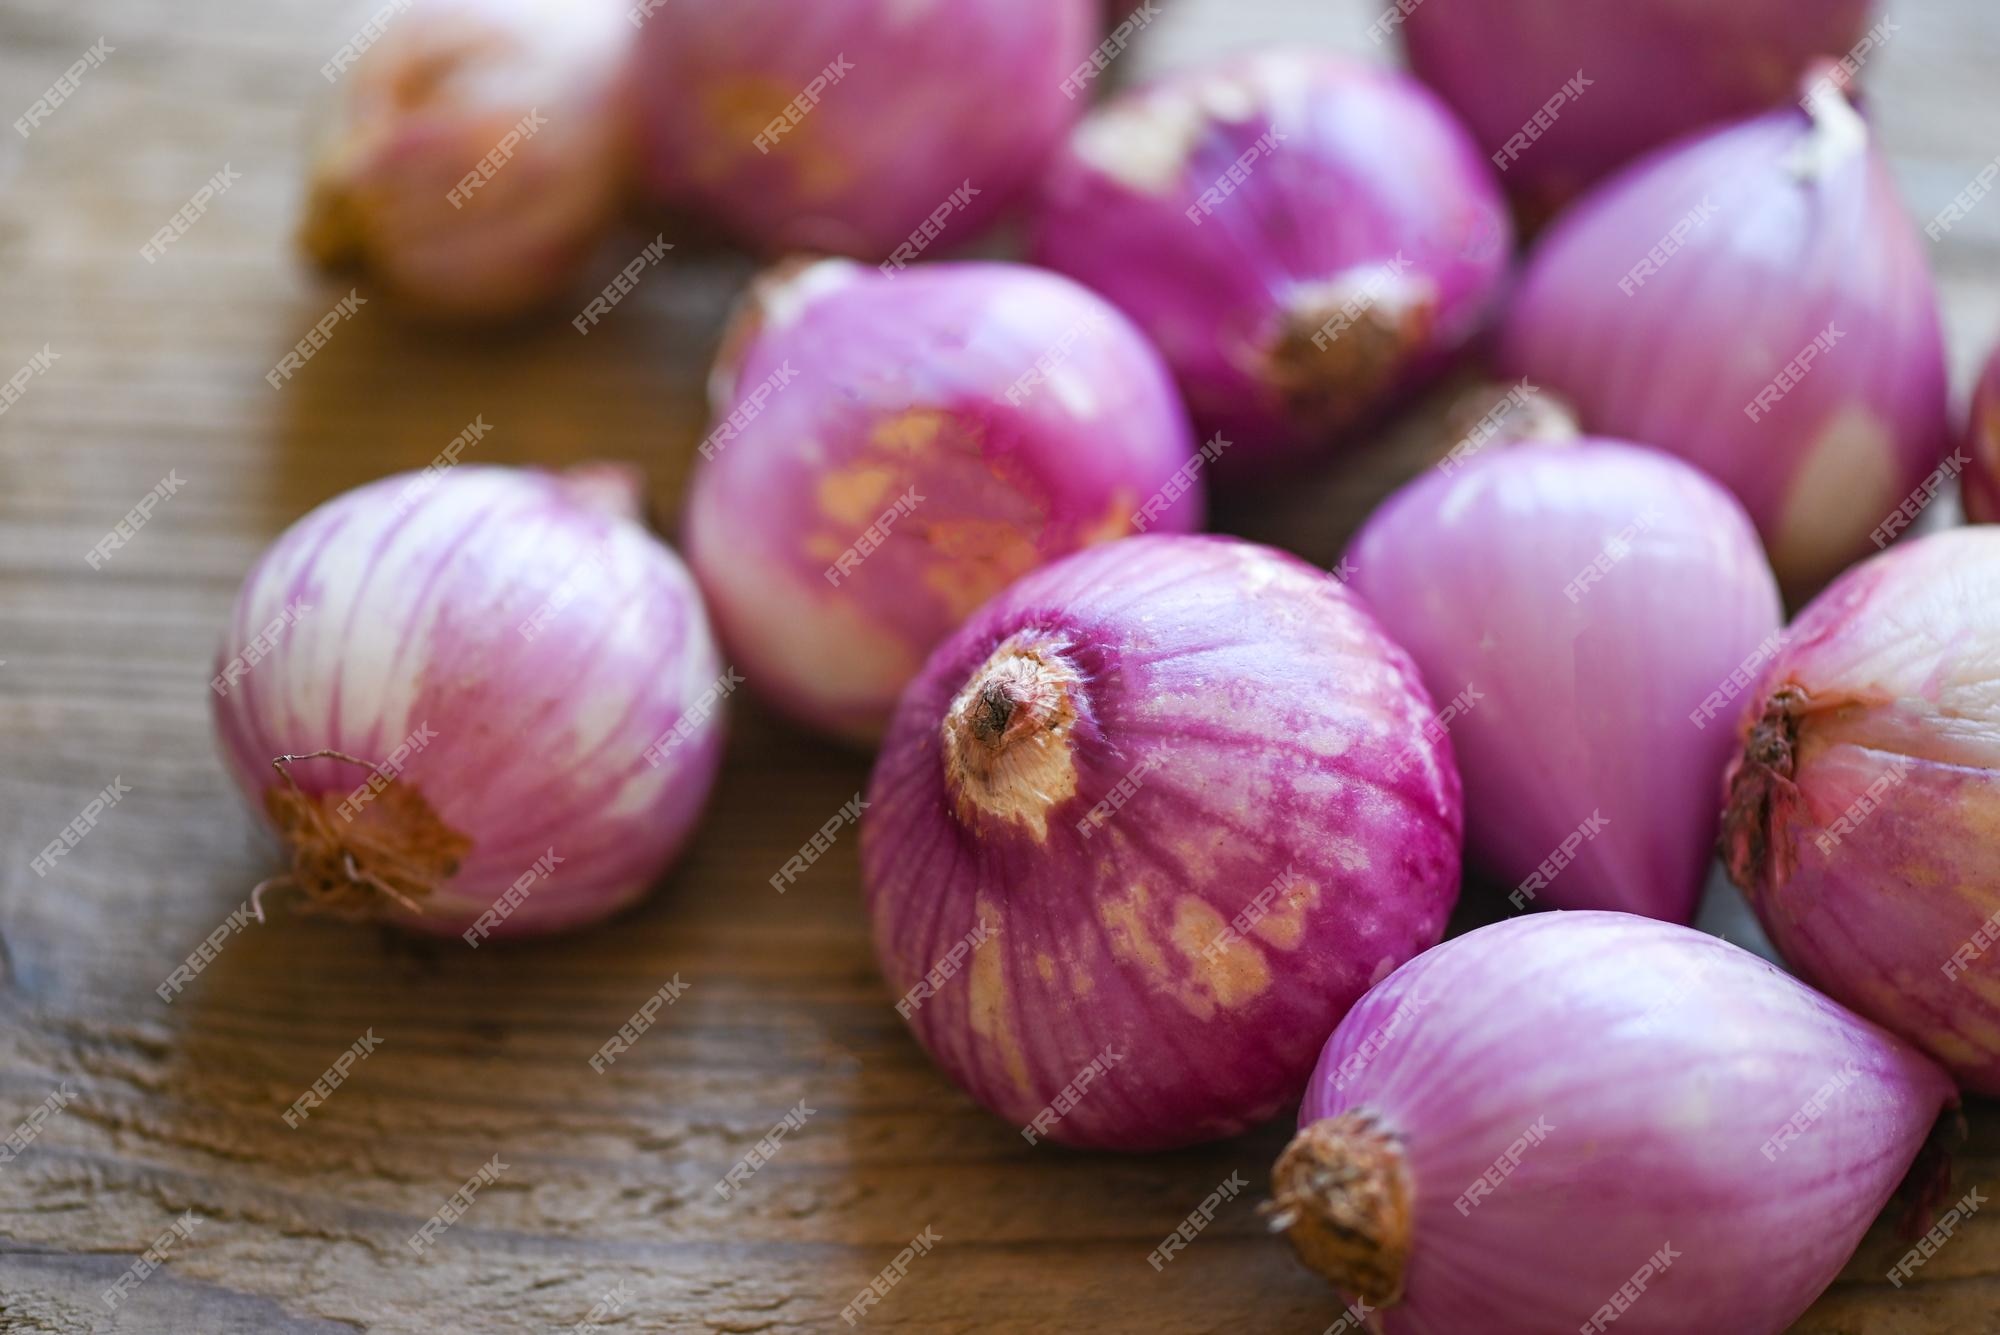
[[973, 559], [1133, 942], [1284, 926], [1115, 523], [911, 432], [1233, 975], [853, 496], [1045, 965], [991, 1013]]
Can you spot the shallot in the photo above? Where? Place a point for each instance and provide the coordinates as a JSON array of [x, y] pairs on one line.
[[1864, 810], [1169, 805], [1588, 597], [1980, 473], [479, 701], [1303, 237], [1756, 301], [1594, 1122], [892, 450]]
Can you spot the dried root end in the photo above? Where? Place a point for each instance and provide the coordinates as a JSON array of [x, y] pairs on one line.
[[1341, 1194], [1759, 789], [360, 860], [1346, 342], [1007, 745]]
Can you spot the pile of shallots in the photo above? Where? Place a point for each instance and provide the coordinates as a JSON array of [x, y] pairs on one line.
[[1165, 829]]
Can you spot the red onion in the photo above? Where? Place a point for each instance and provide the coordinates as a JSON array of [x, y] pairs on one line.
[[1297, 263], [1981, 476], [1592, 596], [1499, 63], [891, 451], [843, 127], [1188, 801], [1756, 301], [1590, 1122], [481, 701], [1864, 812], [476, 149]]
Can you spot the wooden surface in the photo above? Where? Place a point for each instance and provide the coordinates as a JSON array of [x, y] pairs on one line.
[[609, 1177]]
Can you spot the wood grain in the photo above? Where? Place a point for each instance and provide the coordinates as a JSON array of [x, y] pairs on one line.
[[608, 1178]]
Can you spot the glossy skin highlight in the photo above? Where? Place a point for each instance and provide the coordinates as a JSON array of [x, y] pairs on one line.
[[1864, 818], [414, 620], [984, 419], [1193, 727]]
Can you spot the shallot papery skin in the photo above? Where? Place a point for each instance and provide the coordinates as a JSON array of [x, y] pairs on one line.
[[1755, 300], [1979, 477], [474, 153], [520, 681], [1170, 806], [891, 451], [1303, 238], [1655, 69], [1589, 1121], [845, 128], [1580, 602], [1864, 810]]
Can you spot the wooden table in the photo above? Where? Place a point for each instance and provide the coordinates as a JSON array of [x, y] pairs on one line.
[[609, 1177]]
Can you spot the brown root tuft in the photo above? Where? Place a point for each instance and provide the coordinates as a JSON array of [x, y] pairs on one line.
[[1341, 1195], [390, 850]]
